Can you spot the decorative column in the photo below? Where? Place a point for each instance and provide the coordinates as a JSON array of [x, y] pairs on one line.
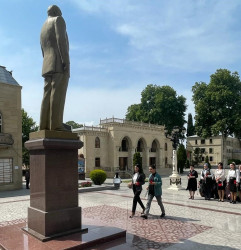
[[175, 178]]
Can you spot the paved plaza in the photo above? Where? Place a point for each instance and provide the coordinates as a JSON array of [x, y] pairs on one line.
[[189, 224]]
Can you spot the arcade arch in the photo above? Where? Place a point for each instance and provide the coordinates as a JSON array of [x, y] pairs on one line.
[[125, 154]]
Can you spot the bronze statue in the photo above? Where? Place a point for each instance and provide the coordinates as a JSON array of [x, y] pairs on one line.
[[56, 69]]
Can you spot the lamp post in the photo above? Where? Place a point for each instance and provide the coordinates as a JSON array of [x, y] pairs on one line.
[[175, 178]]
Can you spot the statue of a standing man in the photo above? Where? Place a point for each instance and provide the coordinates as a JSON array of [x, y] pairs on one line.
[[56, 69]]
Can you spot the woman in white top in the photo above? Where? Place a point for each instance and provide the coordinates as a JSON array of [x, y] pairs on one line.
[[233, 180], [220, 178], [138, 179]]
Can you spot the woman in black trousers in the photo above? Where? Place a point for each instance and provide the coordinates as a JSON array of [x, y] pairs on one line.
[[138, 179]]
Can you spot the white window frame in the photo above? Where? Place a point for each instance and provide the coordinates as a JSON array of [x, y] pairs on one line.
[[6, 170]]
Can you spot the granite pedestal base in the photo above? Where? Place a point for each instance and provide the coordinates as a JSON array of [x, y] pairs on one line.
[[54, 184]]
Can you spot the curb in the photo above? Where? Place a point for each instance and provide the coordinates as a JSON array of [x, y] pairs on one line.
[[93, 189]]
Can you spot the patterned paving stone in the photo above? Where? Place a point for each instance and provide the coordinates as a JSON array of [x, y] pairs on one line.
[[154, 233]]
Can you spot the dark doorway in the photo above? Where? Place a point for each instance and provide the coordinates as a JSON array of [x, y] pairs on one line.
[[123, 163], [152, 161]]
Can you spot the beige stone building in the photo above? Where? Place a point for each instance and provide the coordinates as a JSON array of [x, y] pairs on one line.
[[111, 146], [10, 132], [215, 148]]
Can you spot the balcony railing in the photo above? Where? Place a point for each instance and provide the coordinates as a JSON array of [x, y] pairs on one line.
[[90, 128], [124, 121], [123, 149]]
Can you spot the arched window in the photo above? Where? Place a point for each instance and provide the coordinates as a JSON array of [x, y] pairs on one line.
[[165, 146], [1, 122], [124, 145], [154, 146], [97, 142], [140, 146]]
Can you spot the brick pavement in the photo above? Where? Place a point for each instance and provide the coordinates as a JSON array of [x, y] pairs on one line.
[[189, 224]]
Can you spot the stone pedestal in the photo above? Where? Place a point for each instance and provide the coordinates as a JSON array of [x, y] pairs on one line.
[[175, 181], [53, 207]]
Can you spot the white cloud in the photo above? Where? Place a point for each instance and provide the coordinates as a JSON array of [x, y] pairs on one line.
[[186, 35], [153, 41]]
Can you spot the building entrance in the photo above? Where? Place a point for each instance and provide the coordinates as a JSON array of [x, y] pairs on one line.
[[152, 161], [123, 163]]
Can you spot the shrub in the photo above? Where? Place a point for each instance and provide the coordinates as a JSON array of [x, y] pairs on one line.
[[98, 176]]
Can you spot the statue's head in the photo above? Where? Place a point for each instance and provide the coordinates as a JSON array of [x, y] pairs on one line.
[[54, 10]]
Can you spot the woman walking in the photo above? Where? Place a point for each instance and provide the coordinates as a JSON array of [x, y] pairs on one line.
[[220, 178], [192, 181], [138, 179], [233, 180]]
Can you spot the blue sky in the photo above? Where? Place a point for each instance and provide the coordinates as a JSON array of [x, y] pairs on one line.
[[117, 47]]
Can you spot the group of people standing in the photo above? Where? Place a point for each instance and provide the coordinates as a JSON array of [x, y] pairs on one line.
[[154, 189], [217, 182], [208, 182]]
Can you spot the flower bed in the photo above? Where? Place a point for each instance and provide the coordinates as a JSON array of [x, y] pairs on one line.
[[85, 184]]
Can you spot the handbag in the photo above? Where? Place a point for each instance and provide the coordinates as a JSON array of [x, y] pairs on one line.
[[220, 183], [130, 185]]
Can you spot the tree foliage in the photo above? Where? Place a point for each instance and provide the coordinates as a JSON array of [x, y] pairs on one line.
[[207, 161], [181, 157], [218, 105], [159, 105], [197, 156], [137, 159], [190, 127], [28, 126], [74, 124]]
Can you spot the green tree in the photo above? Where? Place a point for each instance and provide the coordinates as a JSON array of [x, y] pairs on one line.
[[181, 158], [74, 124], [218, 106], [159, 105], [137, 159], [207, 161], [190, 127], [197, 156], [28, 126], [134, 112]]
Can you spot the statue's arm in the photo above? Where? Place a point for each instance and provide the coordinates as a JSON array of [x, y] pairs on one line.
[[62, 41]]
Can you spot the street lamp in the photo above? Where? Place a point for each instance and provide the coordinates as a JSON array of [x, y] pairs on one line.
[[175, 178]]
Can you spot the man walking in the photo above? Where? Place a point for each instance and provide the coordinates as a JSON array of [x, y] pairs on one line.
[[154, 189]]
